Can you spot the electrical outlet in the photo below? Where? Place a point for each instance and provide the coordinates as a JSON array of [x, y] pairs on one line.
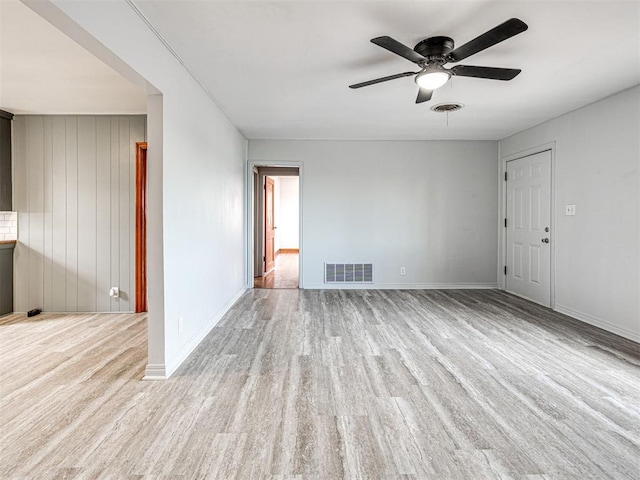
[[180, 325], [403, 271], [570, 210]]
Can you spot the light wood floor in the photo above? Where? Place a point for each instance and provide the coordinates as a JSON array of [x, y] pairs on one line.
[[284, 275], [326, 385]]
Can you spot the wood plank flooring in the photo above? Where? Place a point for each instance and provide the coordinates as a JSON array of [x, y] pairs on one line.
[[284, 275], [311, 384]]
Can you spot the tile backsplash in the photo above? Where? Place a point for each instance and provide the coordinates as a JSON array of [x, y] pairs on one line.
[[8, 226]]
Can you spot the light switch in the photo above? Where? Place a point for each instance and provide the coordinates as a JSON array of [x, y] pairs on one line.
[[570, 210]]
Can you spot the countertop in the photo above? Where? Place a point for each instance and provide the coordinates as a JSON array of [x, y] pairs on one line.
[[7, 244]]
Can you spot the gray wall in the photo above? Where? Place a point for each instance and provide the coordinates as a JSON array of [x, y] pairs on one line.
[[74, 193], [428, 206], [597, 251]]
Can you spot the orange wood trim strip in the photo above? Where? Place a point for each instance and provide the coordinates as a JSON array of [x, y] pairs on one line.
[[141, 227]]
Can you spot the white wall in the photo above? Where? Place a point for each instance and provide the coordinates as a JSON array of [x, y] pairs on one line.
[[74, 190], [288, 213], [428, 206], [597, 160], [196, 175]]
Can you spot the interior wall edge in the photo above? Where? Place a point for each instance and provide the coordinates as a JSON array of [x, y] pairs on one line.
[[200, 146], [155, 371], [173, 364]]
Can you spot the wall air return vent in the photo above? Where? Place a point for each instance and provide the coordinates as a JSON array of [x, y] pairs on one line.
[[348, 273]]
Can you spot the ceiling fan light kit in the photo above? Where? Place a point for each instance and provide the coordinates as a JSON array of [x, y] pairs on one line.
[[432, 79], [433, 53]]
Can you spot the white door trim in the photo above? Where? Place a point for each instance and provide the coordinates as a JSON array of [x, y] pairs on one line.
[[249, 220], [502, 213]]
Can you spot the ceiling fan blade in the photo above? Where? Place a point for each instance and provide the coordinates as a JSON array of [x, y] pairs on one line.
[[383, 79], [505, 30], [424, 95], [492, 73], [398, 48]]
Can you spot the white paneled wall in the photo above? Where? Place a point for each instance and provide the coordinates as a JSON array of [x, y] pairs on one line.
[[74, 185]]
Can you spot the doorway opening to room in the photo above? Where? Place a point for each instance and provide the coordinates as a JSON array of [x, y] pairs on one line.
[[276, 227]]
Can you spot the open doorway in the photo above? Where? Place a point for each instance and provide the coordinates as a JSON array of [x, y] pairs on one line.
[[276, 227]]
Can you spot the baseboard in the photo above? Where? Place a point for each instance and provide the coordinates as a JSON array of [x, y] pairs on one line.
[[155, 371], [188, 348], [400, 286], [57, 312], [598, 322]]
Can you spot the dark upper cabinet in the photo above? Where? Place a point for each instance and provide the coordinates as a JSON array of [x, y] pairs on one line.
[[5, 161]]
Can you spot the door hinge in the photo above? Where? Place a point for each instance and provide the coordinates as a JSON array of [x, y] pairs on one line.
[[505, 269], [505, 223], [505, 176]]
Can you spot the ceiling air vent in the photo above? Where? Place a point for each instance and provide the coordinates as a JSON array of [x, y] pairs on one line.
[[447, 107], [348, 273]]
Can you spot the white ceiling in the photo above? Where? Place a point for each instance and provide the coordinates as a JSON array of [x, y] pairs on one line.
[[281, 69], [44, 71]]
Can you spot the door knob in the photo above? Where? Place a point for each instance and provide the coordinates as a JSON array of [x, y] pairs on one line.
[[545, 240]]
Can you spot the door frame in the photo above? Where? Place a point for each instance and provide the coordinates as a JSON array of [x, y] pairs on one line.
[[256, 212], [268, 179], [250, 218], [502, 214], [141, 228]]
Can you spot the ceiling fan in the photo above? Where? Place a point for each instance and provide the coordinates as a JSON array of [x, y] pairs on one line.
[[433, 53]]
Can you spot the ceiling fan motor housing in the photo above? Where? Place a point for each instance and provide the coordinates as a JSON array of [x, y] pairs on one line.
[[434, 47]]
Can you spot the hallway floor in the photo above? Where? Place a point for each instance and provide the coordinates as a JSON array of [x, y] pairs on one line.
[[284, 275]]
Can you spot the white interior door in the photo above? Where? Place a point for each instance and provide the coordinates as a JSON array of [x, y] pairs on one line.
[[528, 227]]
